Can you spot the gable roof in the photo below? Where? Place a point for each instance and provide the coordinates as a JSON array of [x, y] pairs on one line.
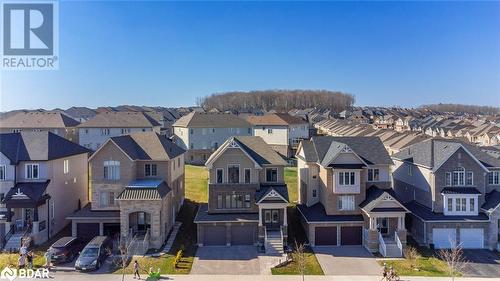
[[324, 148], [492, 200], [211, 120], [373, 193], [147, 146], [434, 152], [265, 189], [120, 119], [37, 146], [277, 119], [46, 119]]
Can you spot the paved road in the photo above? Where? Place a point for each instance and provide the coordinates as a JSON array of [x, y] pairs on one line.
[[346, 260]]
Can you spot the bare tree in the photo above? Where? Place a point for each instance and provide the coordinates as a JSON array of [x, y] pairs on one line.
[[455, 259], [122, 260], [412, 255], [299, 257]]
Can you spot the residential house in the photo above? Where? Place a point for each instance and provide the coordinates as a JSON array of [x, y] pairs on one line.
[[346, 196], [281, 131], [80, 113], [96, 131], [137, 188], [247, 197], [445, 184], [43, 178], [47, 121], [202, 133]]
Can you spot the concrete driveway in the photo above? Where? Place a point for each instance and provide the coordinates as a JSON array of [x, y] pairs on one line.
[[240, 260], [346, 260], [483, 263]]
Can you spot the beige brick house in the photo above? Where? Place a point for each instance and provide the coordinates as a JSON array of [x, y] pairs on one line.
[[137, 189], [247, 197], [345, 194], [43, 178]]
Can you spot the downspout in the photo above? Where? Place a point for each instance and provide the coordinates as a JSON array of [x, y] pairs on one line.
[[48, 219]]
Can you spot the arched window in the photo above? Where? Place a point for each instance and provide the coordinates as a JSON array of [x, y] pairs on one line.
[[459, 176]]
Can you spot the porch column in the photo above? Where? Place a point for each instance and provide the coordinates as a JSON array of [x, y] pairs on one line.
[[260, 216], [35, 214], [373, 224], [285, 222], [9, 214], [401, 223]]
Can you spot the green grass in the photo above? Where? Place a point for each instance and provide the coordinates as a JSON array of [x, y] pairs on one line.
[[185, 240], [196, 183], [291, 182], [428, 264], [312, 267]]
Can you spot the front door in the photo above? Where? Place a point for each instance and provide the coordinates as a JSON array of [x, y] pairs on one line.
[[272, 219], [141, 222], [28, 217], [383, 226]]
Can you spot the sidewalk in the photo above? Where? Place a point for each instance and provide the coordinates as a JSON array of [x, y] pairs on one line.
[[117, 277]]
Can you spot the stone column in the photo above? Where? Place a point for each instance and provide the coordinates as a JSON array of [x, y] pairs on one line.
[[285, 222], [260, 215]]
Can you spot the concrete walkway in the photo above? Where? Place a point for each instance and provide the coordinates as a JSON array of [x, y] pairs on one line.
[[117, 277]]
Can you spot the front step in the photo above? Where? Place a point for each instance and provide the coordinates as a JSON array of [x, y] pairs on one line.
[[274, 243]]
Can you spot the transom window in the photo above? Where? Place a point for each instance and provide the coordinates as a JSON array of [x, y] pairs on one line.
[[271, 174], [151, 170], [347, 178], [112, 170], [32, 171], [373, 174]]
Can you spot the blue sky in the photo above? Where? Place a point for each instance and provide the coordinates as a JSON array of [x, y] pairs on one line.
[[169, 53]]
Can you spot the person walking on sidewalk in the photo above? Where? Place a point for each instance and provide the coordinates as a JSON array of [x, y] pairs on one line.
[[136, 270], [384, 272]]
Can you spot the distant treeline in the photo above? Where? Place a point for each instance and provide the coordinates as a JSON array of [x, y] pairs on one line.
[[279, 100], [463, 108]]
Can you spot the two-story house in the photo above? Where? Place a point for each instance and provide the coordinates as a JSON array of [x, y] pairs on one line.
[[345, 194], [96, 131], [137, 189], [48, 121], [43, 178], [202, 133], [451, 190], [281, 131], [247, 196]]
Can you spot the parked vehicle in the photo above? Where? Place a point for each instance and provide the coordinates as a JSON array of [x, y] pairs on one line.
[[94, 253], [65, 249]]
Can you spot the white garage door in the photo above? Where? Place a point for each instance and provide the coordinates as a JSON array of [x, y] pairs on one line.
[[444, 238], [471, 238]]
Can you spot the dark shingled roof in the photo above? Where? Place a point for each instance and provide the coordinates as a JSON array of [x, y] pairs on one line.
[[460, 190], [87, 212], [317, 213], [374, 192], [426, 214], [148, 146], [259, 150], [203, 216], [37, 146], [492, 200], [324, 148], [266, 188], [34, 190], [434, 152]]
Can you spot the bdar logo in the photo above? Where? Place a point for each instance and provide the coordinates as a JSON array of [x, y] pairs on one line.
[[8, 273]]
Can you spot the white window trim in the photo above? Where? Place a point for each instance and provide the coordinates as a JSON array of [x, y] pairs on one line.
[[493, 175], [373, 173], [467, 204], [277, 174], [239, 172], [216, 170], [26, 171], [66, 166], [466, 177], [4, 167], [250, 175], [351, 184], [350, 203]]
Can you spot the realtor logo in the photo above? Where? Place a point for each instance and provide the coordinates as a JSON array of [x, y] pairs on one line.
[[30, 35], [12, 273], [8, 273]]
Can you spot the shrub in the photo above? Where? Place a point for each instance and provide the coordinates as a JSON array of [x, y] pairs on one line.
[[178, 257], [412, 255]]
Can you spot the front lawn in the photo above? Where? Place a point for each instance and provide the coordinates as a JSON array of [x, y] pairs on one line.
[[428, 264], [185, 239], [196, 183], [312, 267]]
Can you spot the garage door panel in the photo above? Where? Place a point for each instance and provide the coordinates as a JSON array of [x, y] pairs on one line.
[[214, 236], [472, 238], [444, 238], [87, 231], [351, 235], [242, 234], [325, 235]]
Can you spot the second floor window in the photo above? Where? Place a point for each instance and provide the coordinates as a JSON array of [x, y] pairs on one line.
[[32, 171], [458, 176], [150, 170], [346, 203], [112, 170], [106, 199], [2, 172], [494, 178], [347, 178], [373, 174], [233, 173], [271, 174], [470, 178], [220, 175], [247, 175], [105, 132]]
